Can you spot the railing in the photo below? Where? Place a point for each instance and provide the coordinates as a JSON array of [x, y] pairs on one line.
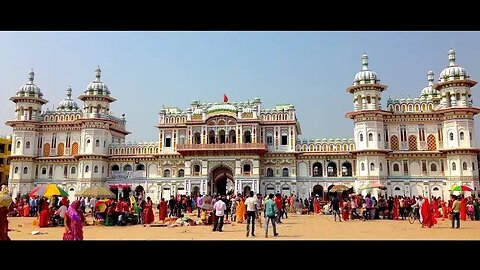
[[440, 144], [404, 146], [128, 174], [53, 152], [222, 146], [387, 146], [104, 116]]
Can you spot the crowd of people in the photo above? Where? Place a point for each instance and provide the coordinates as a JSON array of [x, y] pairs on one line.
[[220, 209]]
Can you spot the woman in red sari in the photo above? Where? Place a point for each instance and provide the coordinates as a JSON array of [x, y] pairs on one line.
[[162, 207], [44, 213], [463, 209], [345, 210], [436, 213], [396, 209], [74, 220], [427, 214], [148, 211], [26, 210]]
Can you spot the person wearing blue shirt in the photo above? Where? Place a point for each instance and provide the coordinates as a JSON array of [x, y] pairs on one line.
[[270, 211]]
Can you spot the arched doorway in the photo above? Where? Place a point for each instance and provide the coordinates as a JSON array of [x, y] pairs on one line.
[[318, 190], [139, 191], [222, 180], [246, 190], [195, 192], [114, 189]]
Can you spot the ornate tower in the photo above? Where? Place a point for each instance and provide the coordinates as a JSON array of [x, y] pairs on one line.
[[454, 86], [369, 126], [26, 139], [99, 129]]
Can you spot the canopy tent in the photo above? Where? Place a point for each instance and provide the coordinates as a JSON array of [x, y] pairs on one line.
[[101, 192], [48, 191]]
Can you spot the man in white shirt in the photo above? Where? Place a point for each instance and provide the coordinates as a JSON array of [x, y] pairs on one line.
[[219, 209], [251, 204]]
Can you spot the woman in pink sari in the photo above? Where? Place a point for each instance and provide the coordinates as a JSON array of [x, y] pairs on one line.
[[74, 220]]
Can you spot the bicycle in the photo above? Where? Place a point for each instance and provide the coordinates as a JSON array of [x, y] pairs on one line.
[[413, 215]]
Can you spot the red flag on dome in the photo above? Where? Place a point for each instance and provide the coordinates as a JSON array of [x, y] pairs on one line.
[[225, 98]]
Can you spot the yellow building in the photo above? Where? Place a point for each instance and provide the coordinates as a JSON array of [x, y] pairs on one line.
[[5, 149]]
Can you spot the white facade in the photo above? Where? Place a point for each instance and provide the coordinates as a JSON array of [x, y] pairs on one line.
[[419, 146]]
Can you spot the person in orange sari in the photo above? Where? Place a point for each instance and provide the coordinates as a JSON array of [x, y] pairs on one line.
[[463, 209], [44, 213], [6, 205], [396, 208], [162, 210], [148, 211], [241, 210], [444, 210], [427, 214]]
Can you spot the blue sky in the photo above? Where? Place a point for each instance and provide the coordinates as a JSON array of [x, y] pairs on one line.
[[145, 70]]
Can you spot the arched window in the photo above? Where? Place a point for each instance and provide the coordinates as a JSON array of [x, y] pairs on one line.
[[317, 169], [451, 136], [379, 138], [285, 172], [370, 137], [361, 137], [372, 166], [247, 137], [27, 145], [462, 136], [115, 168], [73, 170], [269, 172], [246, 169], [454, 166], [25, 170], [464, 166], [104, 144], [127, 168], [87, 169], [103, 169], [433, 167], [95, 169], [396, 168], [381, 167], [181, 173], [15, 170], [362, 166], [269, 139], [44, 170], [88, 141], [166, 173], [18, 144], [196, 170], [97, 143]]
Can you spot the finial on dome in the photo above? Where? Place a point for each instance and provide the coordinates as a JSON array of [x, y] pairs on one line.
[[364, 61], [31, 76], [98, 73], [69, 92], [451, 57], [430, 77]]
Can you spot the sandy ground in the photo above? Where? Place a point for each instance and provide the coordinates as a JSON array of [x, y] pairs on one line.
[[294, 228]]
